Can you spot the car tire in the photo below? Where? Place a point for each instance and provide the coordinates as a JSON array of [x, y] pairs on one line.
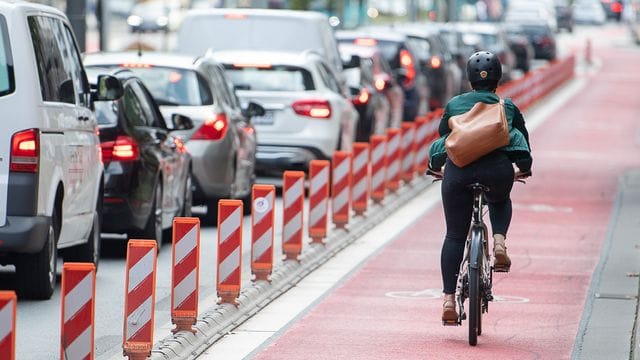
[[89, 251], [153, 229], [37, 272], [188, 197]]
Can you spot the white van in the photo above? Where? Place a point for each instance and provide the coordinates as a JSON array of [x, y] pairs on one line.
[[258, 29], [50, 167]]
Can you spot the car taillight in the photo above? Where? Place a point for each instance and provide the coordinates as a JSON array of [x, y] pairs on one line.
[[365, 42], [320, 109], [435, 62], [380, 84], [406, 61], [362, 98], [616, 7], [212, 129], [25, 148], [124, 148]]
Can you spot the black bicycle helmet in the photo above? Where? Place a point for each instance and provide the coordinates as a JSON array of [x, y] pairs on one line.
[[483, 65]]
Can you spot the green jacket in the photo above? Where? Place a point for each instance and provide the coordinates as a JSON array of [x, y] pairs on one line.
[[518, 150]]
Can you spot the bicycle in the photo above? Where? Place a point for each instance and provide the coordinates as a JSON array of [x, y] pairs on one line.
[[475, 277]]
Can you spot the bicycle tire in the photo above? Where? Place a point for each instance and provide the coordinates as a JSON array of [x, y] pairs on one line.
[[475, 299]]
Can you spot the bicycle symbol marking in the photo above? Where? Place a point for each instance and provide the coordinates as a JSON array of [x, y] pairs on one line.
[[437, 294]]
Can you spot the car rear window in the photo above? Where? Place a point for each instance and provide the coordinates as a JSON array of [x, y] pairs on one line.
[[7, 83], [171, 86], [389, 49], [270, 78]]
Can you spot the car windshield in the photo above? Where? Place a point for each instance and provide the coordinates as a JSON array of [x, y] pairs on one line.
[[7, 84], [270, 78]]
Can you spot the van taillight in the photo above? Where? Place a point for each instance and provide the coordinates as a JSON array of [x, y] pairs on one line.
[[212, 129], [406, 61], [25, 149], [124, 148], [320, 109]]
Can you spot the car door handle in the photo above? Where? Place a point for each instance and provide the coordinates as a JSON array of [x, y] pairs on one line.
[[83, 118]]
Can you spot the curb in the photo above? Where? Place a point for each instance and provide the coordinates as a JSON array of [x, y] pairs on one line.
[[217, 321]]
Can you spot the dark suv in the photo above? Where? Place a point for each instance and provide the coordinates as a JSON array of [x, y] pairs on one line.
[[403, 58]]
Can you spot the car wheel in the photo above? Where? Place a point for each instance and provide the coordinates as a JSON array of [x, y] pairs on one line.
[[153, 228], [37, 273], [89, 251]]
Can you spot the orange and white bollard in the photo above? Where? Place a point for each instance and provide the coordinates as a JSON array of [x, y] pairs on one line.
[[139, 305], [408, 151], [185, 273], [378, 156], [422, 147], [318, 199], [341, 188], [263, 199], [229, 272], [78, 309], [8, 304], [360, 166], [394, 157], [293, 198]]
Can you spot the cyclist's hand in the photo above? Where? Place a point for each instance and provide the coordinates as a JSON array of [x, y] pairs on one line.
[[521, 175], [436, 174]]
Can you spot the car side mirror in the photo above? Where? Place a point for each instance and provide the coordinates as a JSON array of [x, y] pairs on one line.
[[354, 62], [109, 88], [253, 109], [181, 122]]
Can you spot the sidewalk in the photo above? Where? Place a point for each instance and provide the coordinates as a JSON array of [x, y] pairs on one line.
[[609, 326]]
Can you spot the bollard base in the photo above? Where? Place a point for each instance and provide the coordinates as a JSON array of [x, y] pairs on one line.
[[136, 350], [291, 255], [137, 356], [360, 212], [183, 324], [262, 275], [317, 240], [228, 298]]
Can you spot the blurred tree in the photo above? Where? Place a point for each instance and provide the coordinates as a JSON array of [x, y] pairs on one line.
[[300, 4]]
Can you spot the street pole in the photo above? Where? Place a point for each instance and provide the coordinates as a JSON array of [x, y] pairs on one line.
[[76, 12]]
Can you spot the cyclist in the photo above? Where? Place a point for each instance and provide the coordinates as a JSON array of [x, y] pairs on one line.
[[494, 170]]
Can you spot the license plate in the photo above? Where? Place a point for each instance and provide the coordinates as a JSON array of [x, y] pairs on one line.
[[266, 119]]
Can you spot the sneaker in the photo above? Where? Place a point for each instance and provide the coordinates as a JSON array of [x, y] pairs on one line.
[[501, 261]]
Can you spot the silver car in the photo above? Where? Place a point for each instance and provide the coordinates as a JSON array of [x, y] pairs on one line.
[[223, 141], [307, 114]]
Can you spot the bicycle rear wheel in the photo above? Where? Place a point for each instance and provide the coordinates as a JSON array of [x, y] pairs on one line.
[[475, 298]]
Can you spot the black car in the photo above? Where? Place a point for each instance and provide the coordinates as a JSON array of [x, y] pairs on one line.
[[147, 170], [521, 47], [372, 105], [564, 15], [444, 74], [541, 38], [402, 56]]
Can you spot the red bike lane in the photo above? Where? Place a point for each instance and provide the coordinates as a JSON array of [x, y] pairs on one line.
[[388, 308]]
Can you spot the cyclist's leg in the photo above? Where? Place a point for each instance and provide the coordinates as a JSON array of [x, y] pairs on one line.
[[457, 202]]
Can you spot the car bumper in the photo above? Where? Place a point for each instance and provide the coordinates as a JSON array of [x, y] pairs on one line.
[[212, 167], [24, 234]]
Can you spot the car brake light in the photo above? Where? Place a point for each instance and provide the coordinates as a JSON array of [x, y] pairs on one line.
[[365, 42], [362, 98], [406, 61], [252, 65], [235, 16], [25, 148], [616, 7], [380, 84], [435, 62], [320, 109], [212, 129], [124, 148]]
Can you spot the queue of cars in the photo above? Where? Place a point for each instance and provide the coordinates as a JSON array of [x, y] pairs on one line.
[[123, 142]]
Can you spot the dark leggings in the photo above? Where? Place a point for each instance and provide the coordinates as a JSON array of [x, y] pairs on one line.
[[494, 171]]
